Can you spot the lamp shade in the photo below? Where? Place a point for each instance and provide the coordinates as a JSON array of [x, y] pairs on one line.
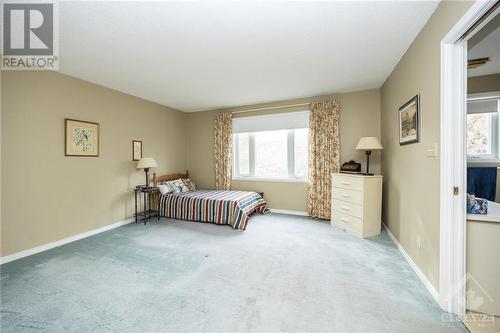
[[146, 162], [369, 143]]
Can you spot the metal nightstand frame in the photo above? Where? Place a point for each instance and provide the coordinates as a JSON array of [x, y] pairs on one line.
[[148, 212]]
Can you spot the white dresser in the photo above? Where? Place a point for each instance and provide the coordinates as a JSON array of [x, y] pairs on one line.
[[357, 203]]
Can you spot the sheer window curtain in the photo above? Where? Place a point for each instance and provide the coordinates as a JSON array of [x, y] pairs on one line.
[[324, 156], [223, 150]]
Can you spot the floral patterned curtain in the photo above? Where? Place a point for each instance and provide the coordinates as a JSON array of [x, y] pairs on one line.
[[223, 150], [324, 156]]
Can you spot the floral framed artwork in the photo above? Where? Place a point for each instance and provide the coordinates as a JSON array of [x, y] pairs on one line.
[[409, 121], [136, 150], [81, 138]]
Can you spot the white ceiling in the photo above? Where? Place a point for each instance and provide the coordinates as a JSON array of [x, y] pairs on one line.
[[486, 43], [196, 56]]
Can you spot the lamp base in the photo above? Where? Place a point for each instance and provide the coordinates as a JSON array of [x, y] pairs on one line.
[[147, 177], [368, 153]]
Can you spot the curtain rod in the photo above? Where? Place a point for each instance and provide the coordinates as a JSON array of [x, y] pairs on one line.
[[271, 108]]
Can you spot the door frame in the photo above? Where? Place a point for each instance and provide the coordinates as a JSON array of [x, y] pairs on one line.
[[453, 161]]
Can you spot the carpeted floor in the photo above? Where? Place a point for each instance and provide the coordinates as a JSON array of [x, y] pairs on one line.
[[283, 274]]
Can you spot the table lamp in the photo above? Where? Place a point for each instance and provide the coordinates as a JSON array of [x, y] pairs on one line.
[[146, 163], [368, 144]]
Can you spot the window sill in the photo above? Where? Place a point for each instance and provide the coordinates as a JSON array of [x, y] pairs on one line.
[[482, 160], [279, 180]]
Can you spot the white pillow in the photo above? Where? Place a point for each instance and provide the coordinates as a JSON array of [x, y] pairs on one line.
[[172, 187], [164, 189]]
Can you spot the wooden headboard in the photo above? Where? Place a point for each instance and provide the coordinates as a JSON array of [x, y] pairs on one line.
[[158, 179], [164, 178]]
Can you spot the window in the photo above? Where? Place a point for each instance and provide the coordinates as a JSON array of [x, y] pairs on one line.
[[301, 153], [244, 150], [270, 149], [479, 134], [482, 130], [280, 154], [266, 148]]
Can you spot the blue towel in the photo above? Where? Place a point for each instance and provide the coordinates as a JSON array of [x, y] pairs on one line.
[[482, 182]]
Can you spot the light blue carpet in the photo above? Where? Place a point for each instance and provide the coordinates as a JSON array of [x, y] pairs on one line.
[[283, 274]]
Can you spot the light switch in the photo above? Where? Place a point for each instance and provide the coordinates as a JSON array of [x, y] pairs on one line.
[[431, 150]]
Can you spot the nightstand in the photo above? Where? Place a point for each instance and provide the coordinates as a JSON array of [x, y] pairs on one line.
[[147, 211]]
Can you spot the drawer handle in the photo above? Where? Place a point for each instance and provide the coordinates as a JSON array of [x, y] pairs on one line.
[[344, 219], [345, 208], [346, 183], [345, 195]]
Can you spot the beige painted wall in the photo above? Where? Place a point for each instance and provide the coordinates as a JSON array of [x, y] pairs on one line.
[[485, 83], [360, 116], [47, 196], [1, 162], [483, 263], [411, 180]]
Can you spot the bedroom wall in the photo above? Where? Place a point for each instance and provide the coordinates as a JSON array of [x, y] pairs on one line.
[[411, 180], [360, 116], [0, 162], [47, 196]]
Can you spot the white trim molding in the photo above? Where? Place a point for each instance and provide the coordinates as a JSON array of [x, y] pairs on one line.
[[45, 247], [288, 212], [453, 164], [434, 293], [453, 170]]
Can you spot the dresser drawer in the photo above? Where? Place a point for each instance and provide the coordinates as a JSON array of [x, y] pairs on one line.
[[348, 195], [350, 183], [348, 208], [345, 221]]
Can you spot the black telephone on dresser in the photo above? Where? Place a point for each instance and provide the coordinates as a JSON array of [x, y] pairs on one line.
[[351, 167]]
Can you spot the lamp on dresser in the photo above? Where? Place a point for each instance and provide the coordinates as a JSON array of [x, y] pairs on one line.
[[368, 144], [146, 163]]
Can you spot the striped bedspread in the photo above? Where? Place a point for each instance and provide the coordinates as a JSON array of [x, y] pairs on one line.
[[220, 207]]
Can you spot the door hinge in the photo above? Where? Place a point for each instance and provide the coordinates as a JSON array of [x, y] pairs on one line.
[[455, 190]]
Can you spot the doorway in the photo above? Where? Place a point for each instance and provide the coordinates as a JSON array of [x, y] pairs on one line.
[[454, 127]]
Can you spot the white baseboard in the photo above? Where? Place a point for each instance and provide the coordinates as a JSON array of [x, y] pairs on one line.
[[45, 247], [288, 212], [414, 266]]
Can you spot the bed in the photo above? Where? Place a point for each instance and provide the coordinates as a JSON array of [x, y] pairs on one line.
[[212, 206]]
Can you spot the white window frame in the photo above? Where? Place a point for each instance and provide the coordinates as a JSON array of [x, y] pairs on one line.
[[291, 177], [494, 131]]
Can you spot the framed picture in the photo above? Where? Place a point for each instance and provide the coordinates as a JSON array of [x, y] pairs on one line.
[[82, 138], [136, 150], [409, 121]]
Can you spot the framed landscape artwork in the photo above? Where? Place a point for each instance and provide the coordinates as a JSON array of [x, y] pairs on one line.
[[82, 138], [136, 150], [409, 121]]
